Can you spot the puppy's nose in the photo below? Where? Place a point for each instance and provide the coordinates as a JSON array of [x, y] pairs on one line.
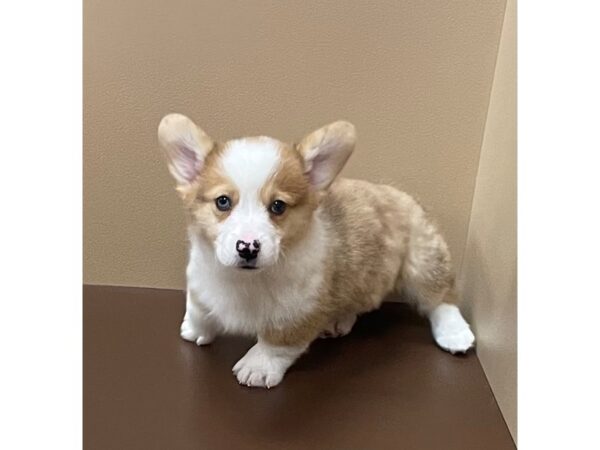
[[247, 250]]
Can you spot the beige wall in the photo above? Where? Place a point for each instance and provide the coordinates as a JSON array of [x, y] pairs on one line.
[[413, 76], [489, 272]]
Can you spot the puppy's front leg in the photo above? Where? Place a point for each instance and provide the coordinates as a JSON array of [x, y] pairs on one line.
[[197, 326], [265, 364]]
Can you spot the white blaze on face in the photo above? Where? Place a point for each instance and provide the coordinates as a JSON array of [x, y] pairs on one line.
[[249, 164]]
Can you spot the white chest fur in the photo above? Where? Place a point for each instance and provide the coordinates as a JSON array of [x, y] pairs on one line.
[[246, 301]]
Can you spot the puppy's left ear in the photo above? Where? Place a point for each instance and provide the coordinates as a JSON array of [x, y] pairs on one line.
[[325, 152]]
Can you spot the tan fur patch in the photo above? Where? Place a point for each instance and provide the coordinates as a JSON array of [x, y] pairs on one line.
[[199, 197], [290, 184]]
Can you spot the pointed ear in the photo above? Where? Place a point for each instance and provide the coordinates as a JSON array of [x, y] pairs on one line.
[[185, 146], [325, 152]]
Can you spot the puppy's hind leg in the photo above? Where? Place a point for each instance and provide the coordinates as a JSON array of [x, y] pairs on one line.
[[340, 327], [450, 330], [429, 281]]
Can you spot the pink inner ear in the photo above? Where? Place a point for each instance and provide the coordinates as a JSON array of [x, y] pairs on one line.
[[320, 171], [186, 163]]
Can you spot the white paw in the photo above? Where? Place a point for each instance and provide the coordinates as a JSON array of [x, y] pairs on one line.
[[456, 342], [265, 365], [450, 330], [194, 333], [258, 369], [339, 328]]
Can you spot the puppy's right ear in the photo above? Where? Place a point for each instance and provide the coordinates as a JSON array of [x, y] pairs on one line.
[[185, 146]]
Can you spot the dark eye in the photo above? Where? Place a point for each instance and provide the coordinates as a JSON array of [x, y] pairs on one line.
[[278, 207], [223, 203]]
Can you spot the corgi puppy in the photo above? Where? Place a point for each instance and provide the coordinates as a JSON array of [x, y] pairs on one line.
[[282, 251]]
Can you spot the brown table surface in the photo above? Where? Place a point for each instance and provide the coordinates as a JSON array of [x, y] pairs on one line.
[[384, 386]]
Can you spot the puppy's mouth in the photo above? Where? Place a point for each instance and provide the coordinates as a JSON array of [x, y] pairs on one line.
[[248, 265]]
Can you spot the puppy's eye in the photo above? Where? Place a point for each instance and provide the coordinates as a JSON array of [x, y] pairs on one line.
[[278, 207], [223, 203]]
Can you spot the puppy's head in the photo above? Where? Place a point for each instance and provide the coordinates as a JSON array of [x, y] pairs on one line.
[[252, 198]]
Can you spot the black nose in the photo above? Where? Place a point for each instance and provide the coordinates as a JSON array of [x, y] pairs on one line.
[[247, 250]]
